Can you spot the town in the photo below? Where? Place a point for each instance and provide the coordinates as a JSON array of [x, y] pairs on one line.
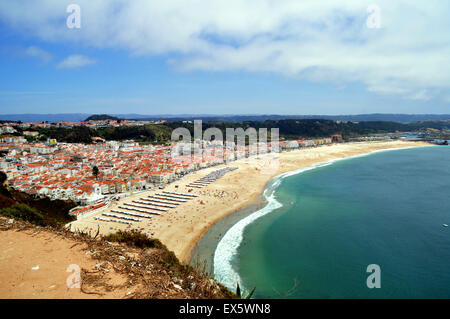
[[91, 174], [86, 173]]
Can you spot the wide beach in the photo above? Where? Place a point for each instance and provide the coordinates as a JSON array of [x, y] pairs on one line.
[[182, 227]]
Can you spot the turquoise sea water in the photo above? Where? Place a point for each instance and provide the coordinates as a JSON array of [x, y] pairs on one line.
[[321, 229]]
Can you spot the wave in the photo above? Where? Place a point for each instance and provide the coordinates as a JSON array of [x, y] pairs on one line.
[[228, 246]]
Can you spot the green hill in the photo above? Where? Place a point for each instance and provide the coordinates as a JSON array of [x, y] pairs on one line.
[[101, 117]]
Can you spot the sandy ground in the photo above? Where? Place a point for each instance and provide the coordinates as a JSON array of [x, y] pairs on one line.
[[182, 227], [34, 265]]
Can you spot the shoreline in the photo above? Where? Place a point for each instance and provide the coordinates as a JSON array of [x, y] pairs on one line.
[[202, 255], [231, 234], [182, 229], [261, 202]]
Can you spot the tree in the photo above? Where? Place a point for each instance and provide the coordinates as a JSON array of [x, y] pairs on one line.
[[43, 138], [3, 177], [95, 171]]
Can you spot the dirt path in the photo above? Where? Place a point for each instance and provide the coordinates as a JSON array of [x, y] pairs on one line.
[[35, 266]]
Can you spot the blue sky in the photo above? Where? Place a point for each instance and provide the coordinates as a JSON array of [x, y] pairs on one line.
[[173, 59]]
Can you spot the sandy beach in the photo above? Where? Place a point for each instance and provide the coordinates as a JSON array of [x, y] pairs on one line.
[[182, 227]]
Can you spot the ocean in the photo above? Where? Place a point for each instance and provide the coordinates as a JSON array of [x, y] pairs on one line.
[[322, 226]]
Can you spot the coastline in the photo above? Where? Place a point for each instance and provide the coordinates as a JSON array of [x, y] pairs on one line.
[[202, 256], [227, 242], [182, 229], [260, 201], [297, 222]]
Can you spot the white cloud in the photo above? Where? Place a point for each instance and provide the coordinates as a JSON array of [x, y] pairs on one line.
[[422, 95], [39, 53], [325, 41], [75, 61]]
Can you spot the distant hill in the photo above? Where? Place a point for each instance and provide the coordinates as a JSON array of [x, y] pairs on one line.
[[101, 117], [398, 118], [236, 118]]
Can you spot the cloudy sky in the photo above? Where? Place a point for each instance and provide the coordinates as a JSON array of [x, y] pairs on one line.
[[225, 56]]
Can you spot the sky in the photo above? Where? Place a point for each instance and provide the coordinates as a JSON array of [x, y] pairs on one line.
[[225, 57]]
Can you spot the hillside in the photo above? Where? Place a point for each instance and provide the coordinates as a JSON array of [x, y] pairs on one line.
[[101, 117], [290, 128], [39, 210], [37, 249], [35, 260]]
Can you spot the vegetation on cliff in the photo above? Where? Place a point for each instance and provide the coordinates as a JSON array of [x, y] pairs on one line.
[[150, 269], [289, 129], [41, 211]]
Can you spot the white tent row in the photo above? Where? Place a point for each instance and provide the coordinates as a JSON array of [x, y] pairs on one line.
[[200, 181], [122, 217], [150, 205], [172, 196], [143, 205], [211, 177], [180, 194], [113, 220], [135, 214], [164, 200], [147, 204], [199, 184], [159, 206], [194, 186], [136, 205], [168, 200], [142, 210]]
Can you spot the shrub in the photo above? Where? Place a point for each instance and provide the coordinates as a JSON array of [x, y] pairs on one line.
[[140, 240], [24, 212], [3, 178], [135, 239]]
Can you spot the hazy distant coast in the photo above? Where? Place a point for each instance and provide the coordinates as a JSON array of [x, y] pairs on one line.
[[78, 117]]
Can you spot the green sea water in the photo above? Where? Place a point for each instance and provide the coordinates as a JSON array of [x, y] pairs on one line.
[[322, 227]]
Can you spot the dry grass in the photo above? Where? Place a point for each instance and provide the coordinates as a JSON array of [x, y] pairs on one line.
[[148, 268]]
